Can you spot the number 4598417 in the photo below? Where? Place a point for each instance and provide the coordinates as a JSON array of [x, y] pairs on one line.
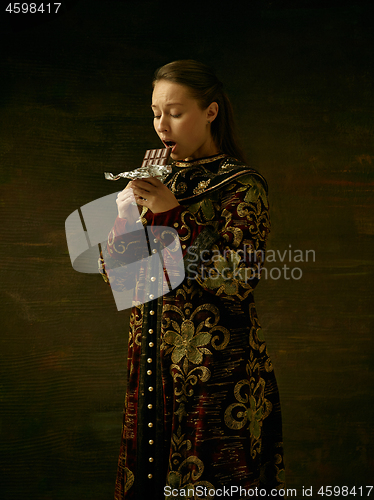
[[32, 8], [344, 491]]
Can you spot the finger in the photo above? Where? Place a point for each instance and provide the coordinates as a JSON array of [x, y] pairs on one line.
[[123, 195], [125, 201], [146, 183], [140, 191], [128, 199], [140, 197], [140, 200], [147, 180], [126, 193]]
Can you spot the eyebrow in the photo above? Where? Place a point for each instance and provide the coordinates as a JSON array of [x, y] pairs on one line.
[[169, 104]]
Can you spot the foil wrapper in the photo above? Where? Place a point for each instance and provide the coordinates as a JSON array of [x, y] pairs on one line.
[[158, 171], [154, 165]]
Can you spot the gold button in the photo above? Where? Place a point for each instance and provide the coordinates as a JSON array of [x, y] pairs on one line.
[[154, 250], [151, 313], [151, 344], [150, 330], [150, 459], [150, 389], [155, 240], [150, 424], [150, 407], [150, 476], [149, 360], [183, 247], [176, 224], [149, 372], [153, 278], [151, 296], [151, 441]]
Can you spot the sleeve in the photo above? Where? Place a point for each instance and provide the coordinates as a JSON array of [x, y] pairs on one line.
[[125, 245], [223, 238]]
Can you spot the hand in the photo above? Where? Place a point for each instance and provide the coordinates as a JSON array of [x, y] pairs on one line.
[[151, 193], [124, 203]]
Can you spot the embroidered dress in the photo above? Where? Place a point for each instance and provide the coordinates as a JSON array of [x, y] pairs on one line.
[[202, 406]]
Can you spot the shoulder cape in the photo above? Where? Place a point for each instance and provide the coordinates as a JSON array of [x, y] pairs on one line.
[[190, 180]]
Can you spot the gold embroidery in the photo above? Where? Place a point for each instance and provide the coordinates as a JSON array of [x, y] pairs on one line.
[[208, 207], [128, 479], [120, 247], [189, 289], [142, 219], [186, 164], [180, 189], [281, 475], [179, 441], [185, 226], [176, 241], [227, 215], [224, 276], [186, 343], [252, 408], [255, 217], [188, 380], [201, 172], [256, 192], [256, 339], [201, 186], [136, 322], [215, 340], [173, 182], [184, 340], [238, 235], [186, 478]]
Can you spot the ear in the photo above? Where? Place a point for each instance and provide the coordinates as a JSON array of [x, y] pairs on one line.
[[212, 111]]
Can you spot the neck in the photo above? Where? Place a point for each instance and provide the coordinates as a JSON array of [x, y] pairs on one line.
[[209, 149]]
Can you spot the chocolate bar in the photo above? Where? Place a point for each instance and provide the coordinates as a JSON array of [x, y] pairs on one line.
[[156, 157], [154, 165]]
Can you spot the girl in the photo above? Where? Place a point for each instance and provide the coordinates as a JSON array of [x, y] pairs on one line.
[[202, 409]]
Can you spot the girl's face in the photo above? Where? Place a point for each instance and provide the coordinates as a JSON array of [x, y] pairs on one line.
[[181, 123]]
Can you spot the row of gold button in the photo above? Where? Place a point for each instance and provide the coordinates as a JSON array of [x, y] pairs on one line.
[[150, 361]]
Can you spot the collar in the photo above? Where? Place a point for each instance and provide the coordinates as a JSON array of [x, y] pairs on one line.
[[199, 161]]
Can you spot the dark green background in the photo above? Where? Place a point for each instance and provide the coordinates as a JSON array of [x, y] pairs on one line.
[[75, 96]]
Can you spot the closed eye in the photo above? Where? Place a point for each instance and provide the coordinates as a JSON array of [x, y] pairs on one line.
[[157, 117]]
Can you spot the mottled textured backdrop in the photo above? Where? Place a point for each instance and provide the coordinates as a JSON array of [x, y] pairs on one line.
[[74, 102]]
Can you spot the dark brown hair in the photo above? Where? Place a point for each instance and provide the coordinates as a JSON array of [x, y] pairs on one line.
[[205, 87]]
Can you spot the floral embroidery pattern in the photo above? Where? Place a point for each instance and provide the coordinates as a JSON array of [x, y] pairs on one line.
[[257, 190], [185, 339], [186, 343], [185, 381], [252, 408], [225, 275], [178, 479]]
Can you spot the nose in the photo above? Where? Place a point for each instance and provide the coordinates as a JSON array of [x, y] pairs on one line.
[[162, 124]]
